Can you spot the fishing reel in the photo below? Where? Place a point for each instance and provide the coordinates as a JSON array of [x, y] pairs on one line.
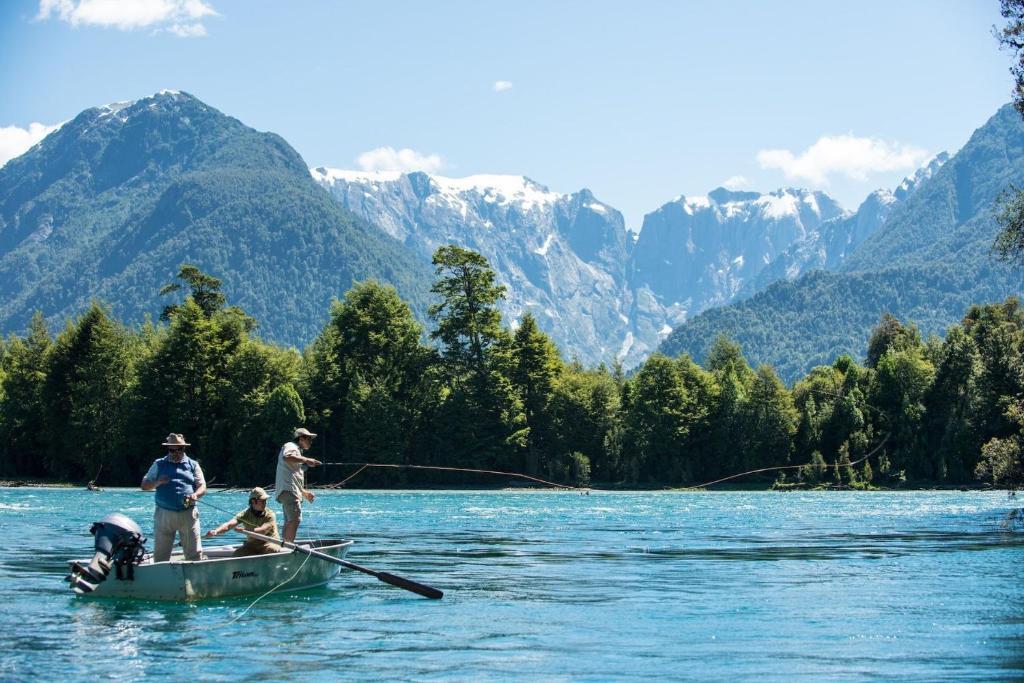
[[119, 544]]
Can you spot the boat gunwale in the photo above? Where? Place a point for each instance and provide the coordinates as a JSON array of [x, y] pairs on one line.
[[311, 544]]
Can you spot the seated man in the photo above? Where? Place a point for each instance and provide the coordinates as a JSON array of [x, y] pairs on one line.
[[257, 517]]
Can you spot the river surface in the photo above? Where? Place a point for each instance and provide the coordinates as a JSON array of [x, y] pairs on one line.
[[553, 586]]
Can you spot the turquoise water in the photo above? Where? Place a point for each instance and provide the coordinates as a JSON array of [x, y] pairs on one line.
[[554, 586]]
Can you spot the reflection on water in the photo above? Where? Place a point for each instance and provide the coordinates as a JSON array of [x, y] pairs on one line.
[[553, 585]]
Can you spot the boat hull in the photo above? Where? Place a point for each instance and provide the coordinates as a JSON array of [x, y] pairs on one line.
[[223, 575]]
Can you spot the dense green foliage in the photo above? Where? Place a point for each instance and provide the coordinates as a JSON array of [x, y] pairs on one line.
[[109, 207], [98, 398], [1009, 243]]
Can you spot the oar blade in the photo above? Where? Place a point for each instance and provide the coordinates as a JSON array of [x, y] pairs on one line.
[[409, 585]]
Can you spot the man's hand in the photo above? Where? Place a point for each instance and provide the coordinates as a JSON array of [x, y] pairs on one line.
[[190, 500], [210, 534], [313, 462], [308, 495]]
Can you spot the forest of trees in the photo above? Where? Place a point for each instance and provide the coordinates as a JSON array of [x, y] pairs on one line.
[[98, 397]]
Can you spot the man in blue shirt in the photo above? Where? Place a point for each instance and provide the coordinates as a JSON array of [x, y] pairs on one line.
[[179, 483]]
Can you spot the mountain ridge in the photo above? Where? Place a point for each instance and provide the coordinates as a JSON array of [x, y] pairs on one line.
[[929, 263], [109, 205]]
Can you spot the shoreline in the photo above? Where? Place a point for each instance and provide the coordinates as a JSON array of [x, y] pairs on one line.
[[601, 488]]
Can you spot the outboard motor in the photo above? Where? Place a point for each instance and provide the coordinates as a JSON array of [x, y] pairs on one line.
[[119, 544]]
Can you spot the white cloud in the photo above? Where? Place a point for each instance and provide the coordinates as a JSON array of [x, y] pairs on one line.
[[403, 160], [181, 17], [15, 141], [736, 182], [196, 30], [848, 155], [502, 86]]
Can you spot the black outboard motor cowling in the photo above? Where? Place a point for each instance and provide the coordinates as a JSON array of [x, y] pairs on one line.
[[119, 544]]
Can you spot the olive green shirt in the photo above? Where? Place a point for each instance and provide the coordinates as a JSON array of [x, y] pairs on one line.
[[248, 519]]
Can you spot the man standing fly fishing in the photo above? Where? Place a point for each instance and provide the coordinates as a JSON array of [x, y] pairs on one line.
[[179, 483], [291, 479]]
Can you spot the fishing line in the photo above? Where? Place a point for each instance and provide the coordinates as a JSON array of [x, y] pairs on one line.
[[272, 589], [787, 467], [363, 465]]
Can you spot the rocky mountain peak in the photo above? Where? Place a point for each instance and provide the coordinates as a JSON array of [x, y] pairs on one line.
[[911, 183]]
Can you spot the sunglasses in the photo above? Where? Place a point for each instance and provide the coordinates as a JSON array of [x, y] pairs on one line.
[[175, 449]]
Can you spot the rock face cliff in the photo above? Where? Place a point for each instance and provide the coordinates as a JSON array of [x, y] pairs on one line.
[[696, 253], [828, 246], [563, 257], [569, 259]]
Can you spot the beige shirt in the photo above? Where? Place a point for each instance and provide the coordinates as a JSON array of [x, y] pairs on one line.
[[291, 476]]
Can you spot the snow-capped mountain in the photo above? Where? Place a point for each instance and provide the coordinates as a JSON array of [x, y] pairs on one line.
[[109, 204], [697, 252], [569, 259], [562, 256], [827, 247]]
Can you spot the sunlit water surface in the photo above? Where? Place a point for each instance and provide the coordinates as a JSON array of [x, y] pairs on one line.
[[553, 586]]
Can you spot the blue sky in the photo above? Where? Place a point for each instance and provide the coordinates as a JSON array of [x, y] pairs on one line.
[[639, 102]]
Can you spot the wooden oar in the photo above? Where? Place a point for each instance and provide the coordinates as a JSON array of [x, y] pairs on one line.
[[407, 584]]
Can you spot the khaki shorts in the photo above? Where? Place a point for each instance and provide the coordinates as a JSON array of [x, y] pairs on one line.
[[291, 505]]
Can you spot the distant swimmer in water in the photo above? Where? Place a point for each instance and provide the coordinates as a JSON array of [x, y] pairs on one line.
[[92, 486]]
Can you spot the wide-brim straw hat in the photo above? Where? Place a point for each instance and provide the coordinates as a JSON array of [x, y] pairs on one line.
[[175, 440]]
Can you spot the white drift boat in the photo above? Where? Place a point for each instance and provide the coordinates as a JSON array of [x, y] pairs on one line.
[[122, 569], [221, 574]]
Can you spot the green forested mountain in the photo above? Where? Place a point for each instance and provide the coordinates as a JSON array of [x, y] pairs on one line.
[[928, 263], [111, 205]]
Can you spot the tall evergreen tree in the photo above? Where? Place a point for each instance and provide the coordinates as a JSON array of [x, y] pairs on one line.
[[770, 421], [253, 374], [481, 415], [384, 379], [658, 423], [536, 368], [891, 334], [734, 377], [901, 381], [950, 408], [90, 369], [585, 415], [22, 441], [468, 321], [203, 289], [182, 385]]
